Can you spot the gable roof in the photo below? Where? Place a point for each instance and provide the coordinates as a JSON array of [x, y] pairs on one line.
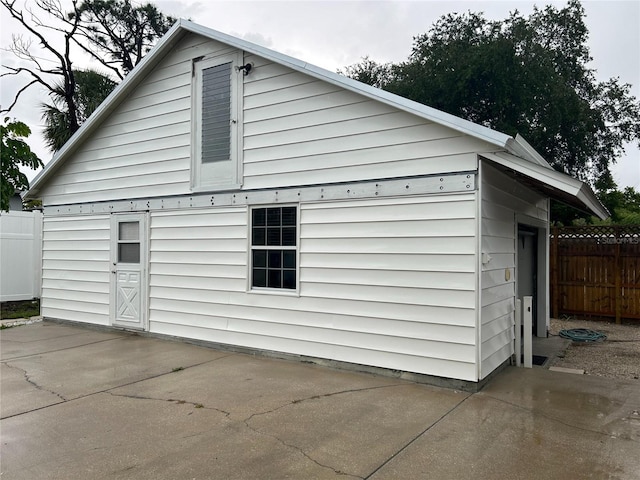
[[516, 146]]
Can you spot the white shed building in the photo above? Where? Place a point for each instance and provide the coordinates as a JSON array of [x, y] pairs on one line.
[[228, 193]]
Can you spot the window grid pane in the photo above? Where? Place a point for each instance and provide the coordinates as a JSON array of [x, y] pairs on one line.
[[274, 267]]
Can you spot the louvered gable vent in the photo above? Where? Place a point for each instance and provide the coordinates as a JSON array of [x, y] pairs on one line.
[[216, 113]]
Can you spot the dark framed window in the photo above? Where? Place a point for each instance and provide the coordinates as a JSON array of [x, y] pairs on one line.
[[274, 247]]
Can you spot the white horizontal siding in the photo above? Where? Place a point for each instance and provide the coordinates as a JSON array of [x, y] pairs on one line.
[[76, 268], [502, 200], [301, 131], [143, 148], [297, 130], [417, 319]]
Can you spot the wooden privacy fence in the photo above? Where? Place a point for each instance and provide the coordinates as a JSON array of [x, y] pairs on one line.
[[595, 272]]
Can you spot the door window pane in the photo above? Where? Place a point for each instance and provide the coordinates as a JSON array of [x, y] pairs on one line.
[[129, 252], [128, 231]]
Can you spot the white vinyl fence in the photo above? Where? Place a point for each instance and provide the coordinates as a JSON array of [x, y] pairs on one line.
[[20, 255]]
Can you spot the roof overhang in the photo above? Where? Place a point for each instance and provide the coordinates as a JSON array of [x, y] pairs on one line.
[[550, 182], [183, 27], [525, 161]]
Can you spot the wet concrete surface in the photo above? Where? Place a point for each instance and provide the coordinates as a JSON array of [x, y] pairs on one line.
[[78, 403]]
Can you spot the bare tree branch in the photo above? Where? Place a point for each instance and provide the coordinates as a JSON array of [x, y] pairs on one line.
[[15, 99], [18, 15], [37, 78], [64, 67], [98, 57]]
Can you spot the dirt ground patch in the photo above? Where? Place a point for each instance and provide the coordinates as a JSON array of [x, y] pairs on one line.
[[616, 357]]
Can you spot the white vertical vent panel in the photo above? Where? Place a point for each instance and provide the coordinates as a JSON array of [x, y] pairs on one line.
[[216, 113]]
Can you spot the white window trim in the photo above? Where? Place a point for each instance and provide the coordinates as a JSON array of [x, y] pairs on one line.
[[203, 175], [289, 292]]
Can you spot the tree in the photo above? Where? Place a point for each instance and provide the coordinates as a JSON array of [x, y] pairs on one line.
[[520, 75], [117, 34], [623, 205], [14, 154], [370, 72], [91, 89], [111, 31], [58, 79]]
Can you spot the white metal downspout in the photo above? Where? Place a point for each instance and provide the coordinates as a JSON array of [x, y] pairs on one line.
[[548, 268], [478, 193]]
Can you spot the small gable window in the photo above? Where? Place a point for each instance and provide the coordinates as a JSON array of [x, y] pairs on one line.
[[216, 120]]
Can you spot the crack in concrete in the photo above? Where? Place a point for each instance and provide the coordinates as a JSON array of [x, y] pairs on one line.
[[172, 400], [316, 397], [59, 349], [558, 420], [409, 443], [30, 381], [107, 390], [300, 450], [302, 400]]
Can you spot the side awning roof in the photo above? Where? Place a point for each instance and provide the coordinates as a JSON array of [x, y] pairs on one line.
[[548, 181]]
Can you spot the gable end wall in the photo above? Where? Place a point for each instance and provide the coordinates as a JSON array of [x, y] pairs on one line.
[[297, 131]]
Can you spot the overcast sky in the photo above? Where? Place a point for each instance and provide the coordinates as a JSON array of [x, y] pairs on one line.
[[334, 34]]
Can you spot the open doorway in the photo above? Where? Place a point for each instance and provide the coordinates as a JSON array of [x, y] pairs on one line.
[[531, 279], [527, 268]]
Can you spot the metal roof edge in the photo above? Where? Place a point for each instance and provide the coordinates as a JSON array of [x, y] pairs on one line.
[[519, 147], [489, 135], [587, 196], [553, 178], [465, 126]]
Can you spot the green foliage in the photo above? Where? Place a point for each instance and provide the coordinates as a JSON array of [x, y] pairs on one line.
[[520, 75], [91, 88], [14, 154], [623, 205], [117, 33], [31, 205], [369, 72]]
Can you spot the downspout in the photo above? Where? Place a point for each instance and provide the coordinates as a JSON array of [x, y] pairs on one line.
[[478, 298]]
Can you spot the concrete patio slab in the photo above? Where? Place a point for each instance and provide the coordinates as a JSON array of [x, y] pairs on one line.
[[531, 423], [19, 395], [132, 407], [245, 385], [86, 364], [44, 337]]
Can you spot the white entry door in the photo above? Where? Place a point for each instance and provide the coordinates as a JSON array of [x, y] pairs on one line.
[[129, 270]]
